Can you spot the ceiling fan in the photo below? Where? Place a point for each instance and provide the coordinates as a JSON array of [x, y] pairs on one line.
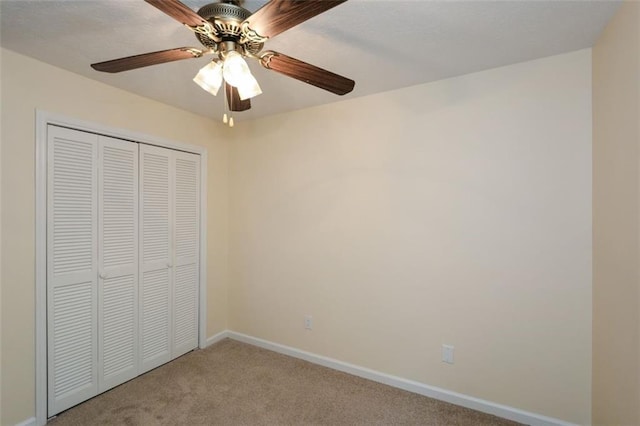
[[232, 33]]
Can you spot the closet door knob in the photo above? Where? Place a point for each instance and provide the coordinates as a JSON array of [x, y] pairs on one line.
[[169, 265]]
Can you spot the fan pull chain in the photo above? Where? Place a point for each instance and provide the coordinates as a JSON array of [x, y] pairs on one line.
[[225, 119], [231, 112]]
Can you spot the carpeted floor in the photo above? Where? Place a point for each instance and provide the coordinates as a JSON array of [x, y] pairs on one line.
[[232, 383]]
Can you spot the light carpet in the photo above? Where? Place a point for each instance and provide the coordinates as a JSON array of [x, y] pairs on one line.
[[233, 383]]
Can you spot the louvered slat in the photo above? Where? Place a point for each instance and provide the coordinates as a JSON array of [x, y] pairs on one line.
[[73, 197], [185, 307], [155, 314], [119, 197], [72, 348], [119, 325], [186, 207], [155, 199]]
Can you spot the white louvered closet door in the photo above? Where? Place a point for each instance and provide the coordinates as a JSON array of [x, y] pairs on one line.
[[71, 267], [117, 262], [156, 266], [123, 227], [186, 214], [169, 254]]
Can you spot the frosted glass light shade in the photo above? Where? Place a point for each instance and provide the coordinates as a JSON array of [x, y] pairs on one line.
[[249, 88], [236, 72], [210, 77], [235, 69]]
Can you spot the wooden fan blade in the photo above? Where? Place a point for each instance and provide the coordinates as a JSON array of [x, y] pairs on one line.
[[279, 15], [146, 59], [179, 12], [234, 101], [307, 73]]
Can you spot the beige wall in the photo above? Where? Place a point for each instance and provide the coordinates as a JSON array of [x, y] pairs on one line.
[[616, 220], [26, 85], [454, 212]]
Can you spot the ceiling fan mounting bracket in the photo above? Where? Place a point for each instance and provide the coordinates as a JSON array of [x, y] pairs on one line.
[[225, 11]]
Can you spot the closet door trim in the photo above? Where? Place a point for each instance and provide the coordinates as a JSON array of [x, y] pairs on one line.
[[42, 120]]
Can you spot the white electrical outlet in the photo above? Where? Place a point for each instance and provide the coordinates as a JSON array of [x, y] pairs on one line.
[[447, 354], [308, 322]]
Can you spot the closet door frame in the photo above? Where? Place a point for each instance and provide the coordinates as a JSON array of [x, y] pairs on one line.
[[42, 121]]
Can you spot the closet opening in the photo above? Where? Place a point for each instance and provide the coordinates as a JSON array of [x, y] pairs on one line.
[[120, 257]]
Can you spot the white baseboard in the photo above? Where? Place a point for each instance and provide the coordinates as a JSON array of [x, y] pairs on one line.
[[216, 338], [28, 422], [484, 406]]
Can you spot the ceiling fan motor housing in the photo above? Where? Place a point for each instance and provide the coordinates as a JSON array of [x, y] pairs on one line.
[[226, 18]]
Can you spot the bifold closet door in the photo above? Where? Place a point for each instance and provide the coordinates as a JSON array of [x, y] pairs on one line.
[[169, 254], [92, 265], [123, 229], [72, 267]]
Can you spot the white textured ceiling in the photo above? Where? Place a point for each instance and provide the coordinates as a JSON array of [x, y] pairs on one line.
[[382, 45]]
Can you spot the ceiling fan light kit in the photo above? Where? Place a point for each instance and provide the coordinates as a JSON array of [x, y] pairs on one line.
[[233, 33]]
